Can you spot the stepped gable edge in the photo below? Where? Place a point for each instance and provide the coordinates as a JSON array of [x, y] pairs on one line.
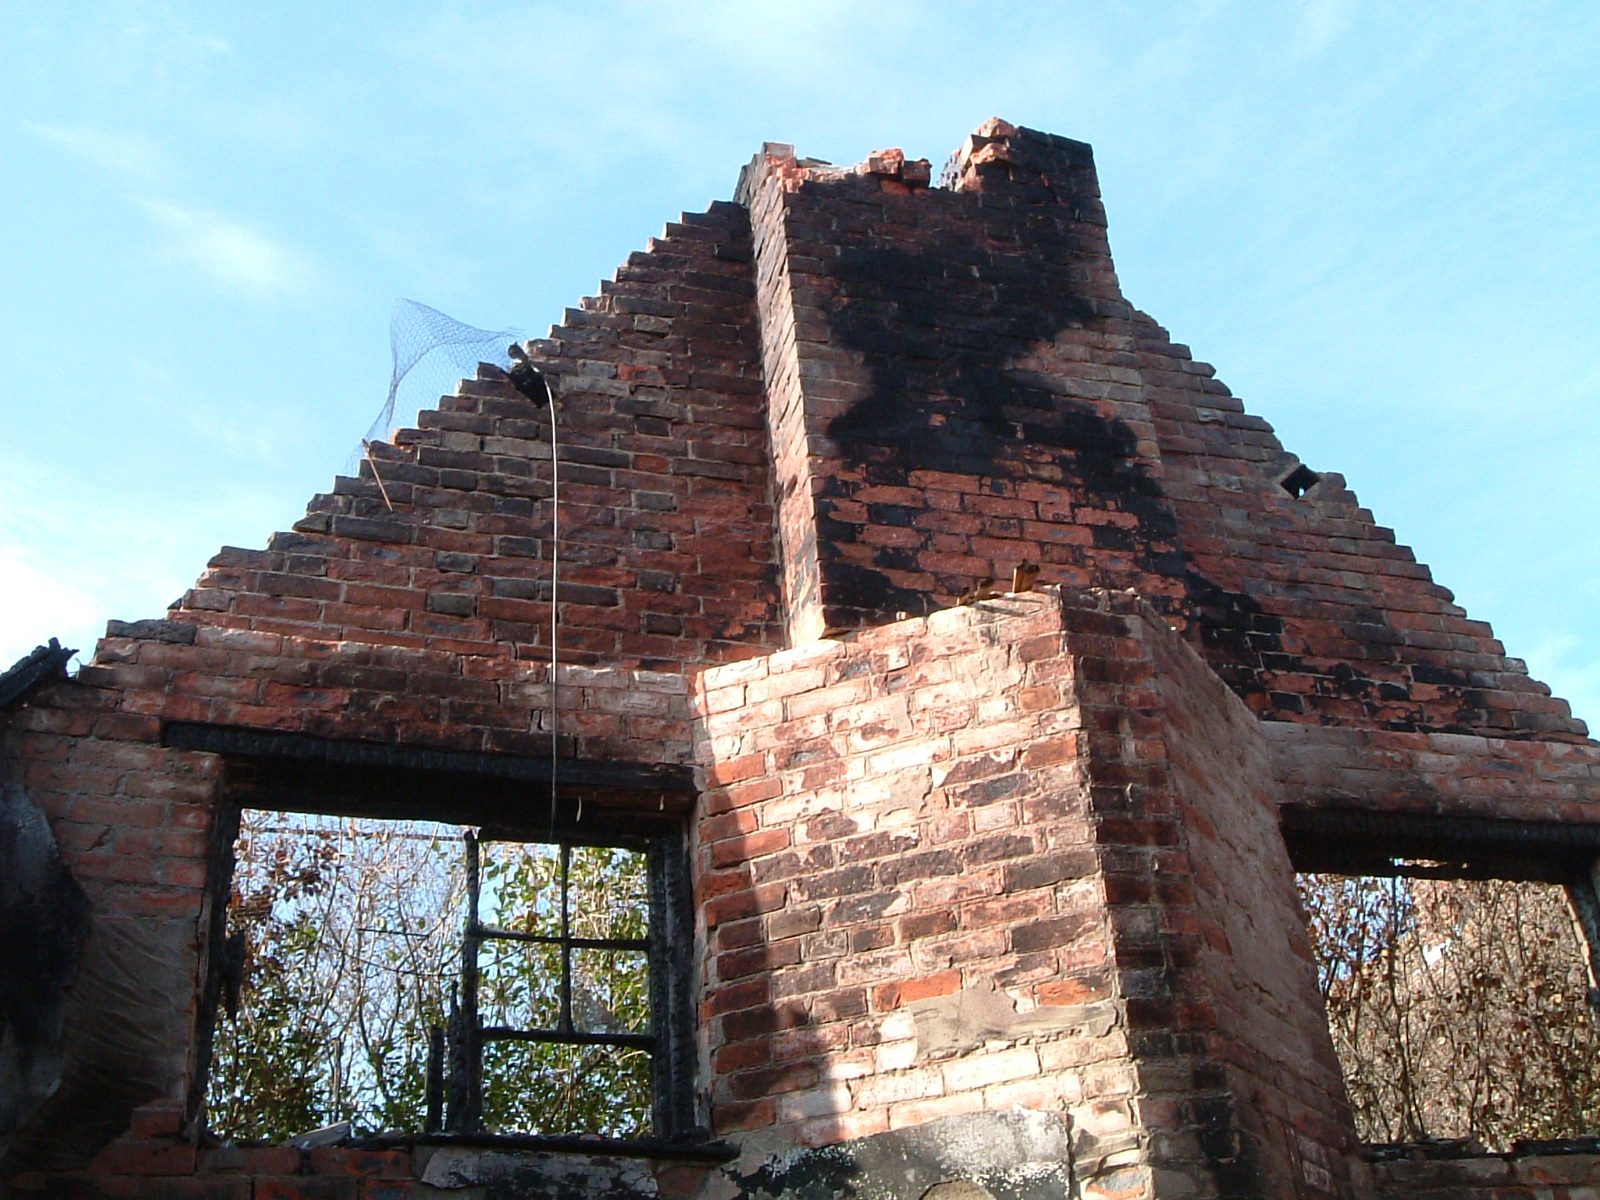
[[956, 384]]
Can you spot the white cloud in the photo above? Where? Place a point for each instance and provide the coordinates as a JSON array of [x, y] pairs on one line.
[[152, 41], [234, 255], [36, 606], [130, 155]]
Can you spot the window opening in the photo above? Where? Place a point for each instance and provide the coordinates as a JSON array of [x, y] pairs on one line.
[[1460, 1008], [411, 977], [1299, 481]]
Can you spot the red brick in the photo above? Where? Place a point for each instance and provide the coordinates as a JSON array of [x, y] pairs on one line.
[[305, 1187], [738, 963], [156, 1120], [753, 902], [735, 1117], [775, 1080], [376, 1164], [166, 1157], [748, 846]]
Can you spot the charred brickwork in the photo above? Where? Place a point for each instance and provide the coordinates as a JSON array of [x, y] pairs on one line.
[[989, 898], [938, 436], [958, 385]]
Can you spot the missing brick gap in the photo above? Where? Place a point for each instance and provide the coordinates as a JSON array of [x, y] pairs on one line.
[[1299, 481]]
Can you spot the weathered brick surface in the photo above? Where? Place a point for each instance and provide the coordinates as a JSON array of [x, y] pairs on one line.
[[1232, 920], [1496, 1177], [1311, 610], [945, 372], [958, 897], [1434, 773], [907, 850], [425, 625], [665, 530]]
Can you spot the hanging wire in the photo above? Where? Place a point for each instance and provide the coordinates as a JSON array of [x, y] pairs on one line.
[[530, 381], [555, 609]]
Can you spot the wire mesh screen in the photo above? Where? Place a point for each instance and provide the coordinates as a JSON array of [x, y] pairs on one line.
[[429, 353]]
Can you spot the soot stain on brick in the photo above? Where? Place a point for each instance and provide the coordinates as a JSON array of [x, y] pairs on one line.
[[939, 340], [1243, 642], [939, 329], [1227, 1154], [44, 918]]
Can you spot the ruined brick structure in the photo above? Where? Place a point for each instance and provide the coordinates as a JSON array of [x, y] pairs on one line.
[[989, 895]]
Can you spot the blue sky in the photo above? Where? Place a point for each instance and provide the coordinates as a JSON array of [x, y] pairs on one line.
[[1377, 220]]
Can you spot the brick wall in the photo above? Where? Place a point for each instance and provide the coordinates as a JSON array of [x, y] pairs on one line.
[[895, 819], [132, 821], [1491, 1177], [426, 625], [665, 528], [1283, 1093], [155, 1162], [949, 383], [1444, 774], [949, 860], [1019, 853], [1306, 606]]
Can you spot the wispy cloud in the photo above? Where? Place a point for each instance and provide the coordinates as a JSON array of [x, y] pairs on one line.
[[233, 254], [152, 45], [129, 155], [1322, 22]]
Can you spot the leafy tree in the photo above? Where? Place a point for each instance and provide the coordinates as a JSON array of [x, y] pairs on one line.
[[353, 933]]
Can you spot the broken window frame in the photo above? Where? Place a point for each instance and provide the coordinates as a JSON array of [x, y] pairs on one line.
[[465, 1107], [507, 798]]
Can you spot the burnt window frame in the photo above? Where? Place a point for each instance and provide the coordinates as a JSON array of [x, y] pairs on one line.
[[664, 866], [1340, 841], [1346, 841], [511, 798]]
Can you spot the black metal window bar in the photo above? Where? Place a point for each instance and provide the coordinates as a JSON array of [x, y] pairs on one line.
[[469, 1035]]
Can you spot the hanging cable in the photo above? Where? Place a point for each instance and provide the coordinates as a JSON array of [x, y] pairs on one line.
[[533, 384], [555, 607]]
